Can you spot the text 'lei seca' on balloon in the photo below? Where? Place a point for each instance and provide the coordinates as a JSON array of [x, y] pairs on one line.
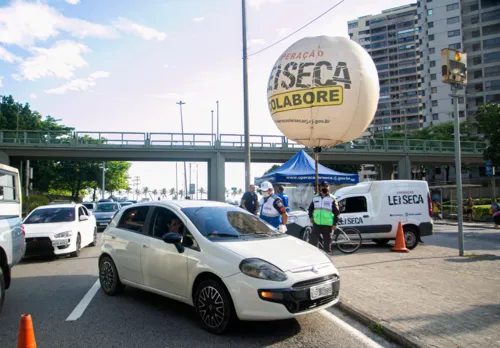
[[323, 91]]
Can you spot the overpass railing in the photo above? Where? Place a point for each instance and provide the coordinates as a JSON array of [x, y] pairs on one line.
[[226, 141]]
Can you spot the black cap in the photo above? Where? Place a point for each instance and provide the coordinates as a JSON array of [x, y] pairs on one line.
[[324, 183]]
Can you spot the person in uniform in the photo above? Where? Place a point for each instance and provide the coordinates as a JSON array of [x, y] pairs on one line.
[[284, 197], [272, 209], [324, 213]]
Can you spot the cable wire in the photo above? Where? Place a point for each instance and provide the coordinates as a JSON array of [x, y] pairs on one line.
[[296, 31]]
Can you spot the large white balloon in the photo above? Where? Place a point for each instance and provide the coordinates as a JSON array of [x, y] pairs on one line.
[[323, 91]]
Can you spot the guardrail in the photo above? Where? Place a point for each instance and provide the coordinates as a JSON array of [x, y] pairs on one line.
[[226, 141]]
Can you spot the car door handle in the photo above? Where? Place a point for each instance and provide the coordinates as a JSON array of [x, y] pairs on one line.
[[145, 246], [366, 216]]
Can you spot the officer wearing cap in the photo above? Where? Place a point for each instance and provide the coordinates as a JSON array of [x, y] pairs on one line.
[[324, 213], [272, 209]]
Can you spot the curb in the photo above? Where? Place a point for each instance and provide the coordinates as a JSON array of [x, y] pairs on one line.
[[468, 226], [367, 319]]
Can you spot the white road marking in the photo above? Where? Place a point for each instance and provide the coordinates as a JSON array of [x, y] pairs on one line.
[[355, 332], [80, 308]]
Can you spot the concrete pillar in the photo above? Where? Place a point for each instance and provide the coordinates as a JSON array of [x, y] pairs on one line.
[[216, 178], [4, 159], [404, 168], [386, 171]]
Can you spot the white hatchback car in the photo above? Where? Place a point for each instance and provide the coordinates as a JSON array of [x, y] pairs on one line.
[[59, 229], [219, 258]]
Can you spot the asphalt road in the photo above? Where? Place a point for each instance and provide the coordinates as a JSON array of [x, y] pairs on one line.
[[476, 240], [50, 289]]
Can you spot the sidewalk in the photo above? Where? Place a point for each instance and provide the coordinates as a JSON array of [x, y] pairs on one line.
[[429, 296], [465, 224]]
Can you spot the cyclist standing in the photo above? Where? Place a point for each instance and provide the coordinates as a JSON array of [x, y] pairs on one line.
[[324, 213]]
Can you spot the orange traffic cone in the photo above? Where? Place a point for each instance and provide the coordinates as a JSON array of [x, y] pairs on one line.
[[26, 335], [400, 244]]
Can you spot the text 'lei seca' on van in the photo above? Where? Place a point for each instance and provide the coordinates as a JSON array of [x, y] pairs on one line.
[[405, 199]]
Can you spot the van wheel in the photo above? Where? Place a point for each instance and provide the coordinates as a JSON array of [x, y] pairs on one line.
[[411, 236], [381, 241]]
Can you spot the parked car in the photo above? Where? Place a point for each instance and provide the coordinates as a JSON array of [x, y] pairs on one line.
[[90, 206], [126, 203], [59, 230], [221, 259], [104, 212], [12, 239]]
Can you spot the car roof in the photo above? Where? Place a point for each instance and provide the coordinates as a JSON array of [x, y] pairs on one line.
[[64, 205], [188, 203]]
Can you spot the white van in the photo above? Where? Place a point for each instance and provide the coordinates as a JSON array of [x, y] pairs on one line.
[[375, 209]]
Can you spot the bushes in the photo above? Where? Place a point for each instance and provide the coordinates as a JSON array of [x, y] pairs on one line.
[[33, 201]]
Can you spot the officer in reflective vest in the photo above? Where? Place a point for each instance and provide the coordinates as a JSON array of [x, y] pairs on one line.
[[324, 213], [272, 209]]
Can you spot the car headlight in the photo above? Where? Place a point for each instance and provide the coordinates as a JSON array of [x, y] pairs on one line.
[[292, 219], [257, 268], [64, 234]]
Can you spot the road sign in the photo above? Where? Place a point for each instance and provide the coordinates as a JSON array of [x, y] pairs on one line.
[[192, 189], [489, 168]]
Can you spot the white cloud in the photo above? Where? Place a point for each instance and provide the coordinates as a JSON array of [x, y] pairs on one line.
[[257, 3], [7, 56], [23, 24], [72, 2], [1, 81], [33, 96], [283, 31], [79, 85], [146, 33], [198, 19], [59, 61]]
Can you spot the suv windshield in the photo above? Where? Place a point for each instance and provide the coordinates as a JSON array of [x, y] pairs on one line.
[[88, 205], [106, 207], [227, 222], [51, 215]]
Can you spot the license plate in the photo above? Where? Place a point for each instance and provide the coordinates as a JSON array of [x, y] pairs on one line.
[[103, 224], [320, 291], [59, 242]]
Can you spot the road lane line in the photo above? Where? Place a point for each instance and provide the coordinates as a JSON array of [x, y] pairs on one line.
[[80, 308], [355, 332]]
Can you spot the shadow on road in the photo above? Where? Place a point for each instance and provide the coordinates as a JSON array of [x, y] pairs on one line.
[[475, 258]]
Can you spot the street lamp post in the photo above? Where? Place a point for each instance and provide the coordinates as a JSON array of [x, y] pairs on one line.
[[103, 179], [212, 133], [218, 133], [180, 103], [245, 95]]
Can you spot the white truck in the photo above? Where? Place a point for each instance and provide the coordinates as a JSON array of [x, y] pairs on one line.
[[12, 238]]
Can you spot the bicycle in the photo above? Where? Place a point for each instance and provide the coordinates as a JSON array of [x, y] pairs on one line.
[[342, 236]]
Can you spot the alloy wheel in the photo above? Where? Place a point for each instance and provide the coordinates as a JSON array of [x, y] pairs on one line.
[[211, 307], [107, 276]]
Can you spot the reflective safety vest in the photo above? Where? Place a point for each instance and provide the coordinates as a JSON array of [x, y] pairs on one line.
[[323, 213], [269, 213]]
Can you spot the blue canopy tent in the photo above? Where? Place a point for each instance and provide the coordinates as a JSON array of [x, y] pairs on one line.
[[300, 169]]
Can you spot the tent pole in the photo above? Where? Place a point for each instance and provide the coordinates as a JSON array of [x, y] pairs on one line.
[[317, 150]]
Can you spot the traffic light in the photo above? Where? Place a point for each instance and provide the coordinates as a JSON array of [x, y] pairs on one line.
[[454, 66]]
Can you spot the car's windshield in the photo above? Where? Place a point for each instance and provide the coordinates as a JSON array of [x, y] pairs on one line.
[[124, 204], [106, 207], [88, 205], [227, 222], [51, 215]]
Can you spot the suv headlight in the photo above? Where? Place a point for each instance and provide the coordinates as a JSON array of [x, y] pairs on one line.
[[257, 268], [65, 234]]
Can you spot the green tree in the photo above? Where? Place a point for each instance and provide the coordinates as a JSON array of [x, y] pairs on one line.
[[202, 191], [172, 192], [488, 123], [164, 192]]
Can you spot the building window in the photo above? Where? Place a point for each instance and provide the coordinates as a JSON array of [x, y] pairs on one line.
[[352, 25], [429, 13], [474, 20], [476, 60], [431, 37], [453, 33], [435, 117], [492, 71], [461, 113], [491, 43], [433, 77], [460, 100], [453, 20], [430, 25], [432, 50], [477, 74], [434, 90], [432, 63], [492, 57], [452, 7], [434, 103], [476, 33], [455, 46], [492, 85]]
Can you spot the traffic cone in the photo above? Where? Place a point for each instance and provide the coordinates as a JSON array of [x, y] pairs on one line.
[[400, 244], [26, 335]]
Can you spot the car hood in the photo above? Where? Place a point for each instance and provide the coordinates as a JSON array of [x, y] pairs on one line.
[[103, 215], [287, 252], [45, 230]]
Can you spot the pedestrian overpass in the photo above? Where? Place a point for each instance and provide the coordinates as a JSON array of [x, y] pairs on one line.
[[18, 146]]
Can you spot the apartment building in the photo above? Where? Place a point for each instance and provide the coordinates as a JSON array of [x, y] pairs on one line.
[[392, 40]]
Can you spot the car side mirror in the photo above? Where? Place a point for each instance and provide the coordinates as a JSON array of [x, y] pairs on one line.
[[84, 218], [174, 238]]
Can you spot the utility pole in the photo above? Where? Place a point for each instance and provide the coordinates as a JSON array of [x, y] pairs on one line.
[[212, 133], [176, 182], [197, 188], [136, 182], [245, 96], [180, 103], [190, 194], [218, 133], [103, 179]]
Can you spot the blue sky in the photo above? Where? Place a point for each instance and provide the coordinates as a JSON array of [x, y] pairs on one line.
[[121, 65]]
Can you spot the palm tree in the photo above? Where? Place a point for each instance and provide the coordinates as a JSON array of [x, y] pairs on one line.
[[172, 192], [226, 191], [240, 191], [181, 193], [234, 193], [201, 191], [163, 192], [137, 192], [155, 193], [145, 191]]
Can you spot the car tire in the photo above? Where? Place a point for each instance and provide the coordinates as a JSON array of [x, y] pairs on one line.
[[109, 278], [2, 289], [306, 234], [381, 241], [76, 253], [214, 306], [94, 241], [411, 237]]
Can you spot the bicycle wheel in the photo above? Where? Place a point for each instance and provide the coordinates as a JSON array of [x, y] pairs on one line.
[[348, 240]]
